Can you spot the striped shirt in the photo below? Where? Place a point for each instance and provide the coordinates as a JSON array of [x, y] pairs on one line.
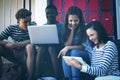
[[104, 61], [15, 33]]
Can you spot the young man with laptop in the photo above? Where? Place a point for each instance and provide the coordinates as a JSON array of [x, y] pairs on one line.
[[36, 51]]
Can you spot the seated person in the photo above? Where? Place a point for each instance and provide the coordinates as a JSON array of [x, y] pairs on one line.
[[104, 61], [75, 42], [36, 52], [15, 51]]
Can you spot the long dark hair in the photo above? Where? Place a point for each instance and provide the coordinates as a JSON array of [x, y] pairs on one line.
[[73, 10], [99, 28]]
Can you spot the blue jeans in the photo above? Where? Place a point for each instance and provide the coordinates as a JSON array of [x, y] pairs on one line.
[[71, 72]]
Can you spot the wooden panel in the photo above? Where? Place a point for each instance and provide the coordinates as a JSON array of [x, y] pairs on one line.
[[81, 4], [59, 18], [106, 4], [84, 16], [67, 4], [58, 4], [93, 17], [107, 21], [92, 5]]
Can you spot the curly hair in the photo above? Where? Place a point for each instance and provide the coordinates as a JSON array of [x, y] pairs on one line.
[[23, 13]]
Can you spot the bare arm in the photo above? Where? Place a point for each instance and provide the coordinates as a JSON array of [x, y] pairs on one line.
[[81, 47], [65, 49], [2, 42], [17, 45], [21, 44]]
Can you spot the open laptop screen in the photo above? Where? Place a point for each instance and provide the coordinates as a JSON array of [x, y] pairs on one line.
[[45, 34]]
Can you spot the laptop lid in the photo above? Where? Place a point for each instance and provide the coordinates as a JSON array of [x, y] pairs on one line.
[[45, 34]]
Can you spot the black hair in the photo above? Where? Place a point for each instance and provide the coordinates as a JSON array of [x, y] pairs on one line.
[[22, 13], [51, 6], [99, 28]]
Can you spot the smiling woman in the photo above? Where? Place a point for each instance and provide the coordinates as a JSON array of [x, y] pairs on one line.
[[75, 42], [104, 61]]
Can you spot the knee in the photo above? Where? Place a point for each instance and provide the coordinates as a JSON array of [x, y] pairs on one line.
[[52, 51], [81, 53], [76, 52], [29, 46], [39, 50], [29, 49], [50, 48]]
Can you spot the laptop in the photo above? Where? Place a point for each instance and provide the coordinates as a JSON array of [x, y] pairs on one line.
[[45, 34]]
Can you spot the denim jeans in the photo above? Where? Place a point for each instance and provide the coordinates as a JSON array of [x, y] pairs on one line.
[[70, 72]]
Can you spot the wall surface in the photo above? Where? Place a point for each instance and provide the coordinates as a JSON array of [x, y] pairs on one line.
[[40, 17]]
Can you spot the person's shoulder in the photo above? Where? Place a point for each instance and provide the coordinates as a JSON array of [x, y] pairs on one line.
[[111, 44], [60, 24], [12, 26]]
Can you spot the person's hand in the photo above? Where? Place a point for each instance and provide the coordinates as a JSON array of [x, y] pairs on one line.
[[74, 62], [71, 27], [10, 45], [63, 52]]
